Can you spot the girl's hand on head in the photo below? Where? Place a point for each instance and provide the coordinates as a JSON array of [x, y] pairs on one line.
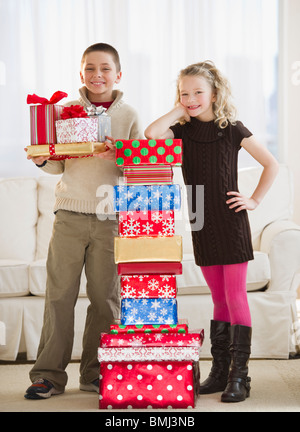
[[110, 153], [183, 112], [241, 202]]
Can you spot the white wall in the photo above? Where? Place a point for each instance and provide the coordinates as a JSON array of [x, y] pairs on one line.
[[289, 103]]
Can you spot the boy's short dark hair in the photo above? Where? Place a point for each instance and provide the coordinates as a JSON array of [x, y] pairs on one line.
[[105, 48]]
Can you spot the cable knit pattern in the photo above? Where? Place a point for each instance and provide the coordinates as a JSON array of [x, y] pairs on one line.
[[78, 189], [210, 158]]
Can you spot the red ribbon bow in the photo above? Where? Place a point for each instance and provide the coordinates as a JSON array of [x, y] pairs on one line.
[[56, 97], [73, 111]]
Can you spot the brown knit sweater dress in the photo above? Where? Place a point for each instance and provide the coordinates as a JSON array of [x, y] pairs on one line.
[[210, 158]]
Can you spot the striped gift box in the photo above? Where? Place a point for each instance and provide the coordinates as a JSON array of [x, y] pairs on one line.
[[42, 123], [148, 175]]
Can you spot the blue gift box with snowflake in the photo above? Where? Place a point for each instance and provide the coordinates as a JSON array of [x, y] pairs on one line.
[[147, 198], [149, 311]]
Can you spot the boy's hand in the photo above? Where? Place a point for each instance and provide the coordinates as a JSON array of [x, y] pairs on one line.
[[38, 160], [110, 153]]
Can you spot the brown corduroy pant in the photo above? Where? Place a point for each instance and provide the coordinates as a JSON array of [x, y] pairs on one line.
[[78, 240]]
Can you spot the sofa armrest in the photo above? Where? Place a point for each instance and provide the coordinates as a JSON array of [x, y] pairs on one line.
[[281, 241]]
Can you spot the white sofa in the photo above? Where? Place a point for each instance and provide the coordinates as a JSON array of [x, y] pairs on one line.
[[273, 277]]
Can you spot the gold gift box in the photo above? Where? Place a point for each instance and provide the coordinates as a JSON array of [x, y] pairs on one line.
[[148, 249], [67, 149]]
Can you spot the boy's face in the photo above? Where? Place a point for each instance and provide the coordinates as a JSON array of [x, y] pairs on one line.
[[99, 74]]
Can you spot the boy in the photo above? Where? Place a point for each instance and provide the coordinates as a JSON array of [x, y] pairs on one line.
[[80, 238]]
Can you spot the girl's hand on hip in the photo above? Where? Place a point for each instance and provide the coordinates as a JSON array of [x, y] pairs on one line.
[[241, 202]]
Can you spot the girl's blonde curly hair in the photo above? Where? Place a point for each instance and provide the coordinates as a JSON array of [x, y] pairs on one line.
[[223, 108]]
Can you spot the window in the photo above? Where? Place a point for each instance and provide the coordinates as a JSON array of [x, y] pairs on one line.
[[44, 42]]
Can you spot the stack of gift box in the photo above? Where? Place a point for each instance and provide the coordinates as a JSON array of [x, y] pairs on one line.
[[66, 132], [149, 359]]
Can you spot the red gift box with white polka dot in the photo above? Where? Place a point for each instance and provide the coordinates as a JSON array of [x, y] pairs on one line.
[[155, 384]]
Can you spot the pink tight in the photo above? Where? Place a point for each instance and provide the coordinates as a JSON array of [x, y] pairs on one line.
[[227, 284]]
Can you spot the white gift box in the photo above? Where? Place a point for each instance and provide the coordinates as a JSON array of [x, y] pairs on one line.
[[84, 129]]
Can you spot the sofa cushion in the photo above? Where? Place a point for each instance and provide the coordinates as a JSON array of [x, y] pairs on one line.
[[13, 278], [18, 218], [192, 281], [38, 276], [277, 204]]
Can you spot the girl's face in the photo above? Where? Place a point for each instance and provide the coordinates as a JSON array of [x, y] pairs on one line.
[[197, 96], [99, 74]]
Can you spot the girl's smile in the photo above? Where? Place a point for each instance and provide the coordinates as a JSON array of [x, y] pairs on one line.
[[193, 107]]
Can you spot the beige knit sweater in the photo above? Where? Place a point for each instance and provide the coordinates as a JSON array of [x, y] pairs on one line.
[[86, 185]]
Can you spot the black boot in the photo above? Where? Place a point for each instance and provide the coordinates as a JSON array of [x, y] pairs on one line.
[[220, 341], [238, 386]]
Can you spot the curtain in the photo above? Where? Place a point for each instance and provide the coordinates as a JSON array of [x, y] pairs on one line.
[[42, 42]]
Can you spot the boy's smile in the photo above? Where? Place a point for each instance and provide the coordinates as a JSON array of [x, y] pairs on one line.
[[99, 74]]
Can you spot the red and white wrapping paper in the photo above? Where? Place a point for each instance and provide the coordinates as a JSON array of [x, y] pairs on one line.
[[152, 339], [146, 223], [42, 123], [181, 327], [148, 175], [144, 353], [43, 117], [148, 385], [134, 268], [77, 130], [148, 286]]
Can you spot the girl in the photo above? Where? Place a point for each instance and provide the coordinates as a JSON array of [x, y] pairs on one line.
[[204, 119]]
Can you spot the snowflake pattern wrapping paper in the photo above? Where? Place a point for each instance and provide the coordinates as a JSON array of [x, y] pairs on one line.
[[151, 152], [144, 353], [148, 249], [148, 385], [147, 223], [148, 311], [151, 339], [148, 286], [151, 198]]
